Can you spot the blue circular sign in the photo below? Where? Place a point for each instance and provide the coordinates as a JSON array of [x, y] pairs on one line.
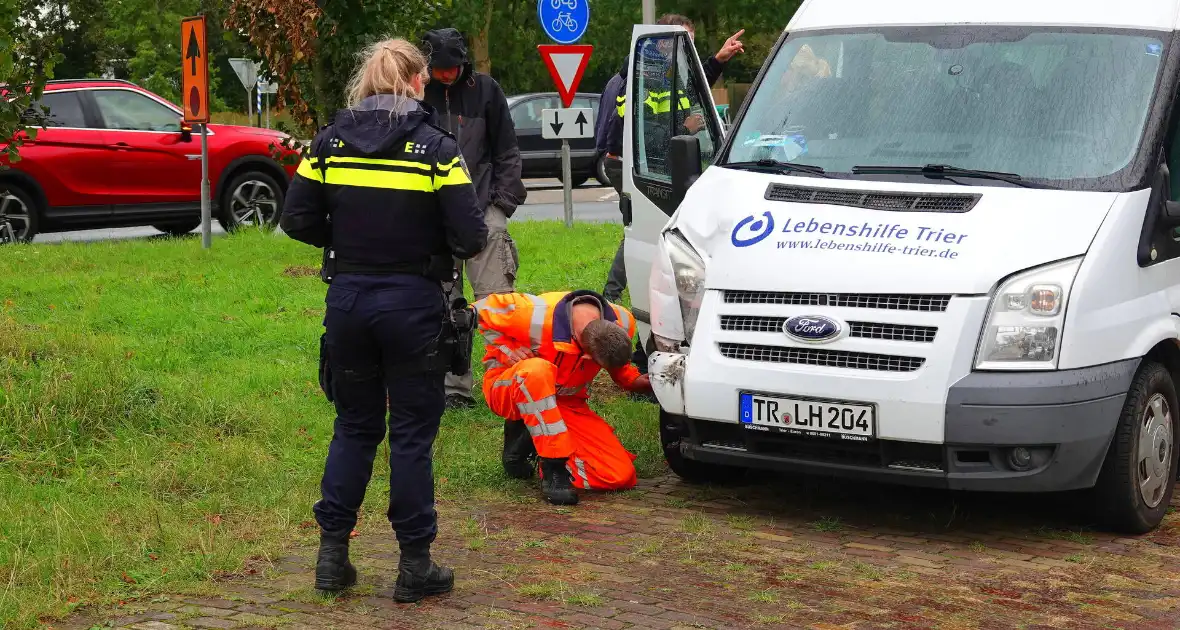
[[564, 21]]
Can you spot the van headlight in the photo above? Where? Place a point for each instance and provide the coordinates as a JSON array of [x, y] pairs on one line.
[[1026, 318], [688, 271]]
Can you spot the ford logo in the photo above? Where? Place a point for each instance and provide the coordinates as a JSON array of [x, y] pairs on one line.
[[812, 328]]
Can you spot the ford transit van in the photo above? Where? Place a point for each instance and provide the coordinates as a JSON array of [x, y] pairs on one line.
[[938, 246]]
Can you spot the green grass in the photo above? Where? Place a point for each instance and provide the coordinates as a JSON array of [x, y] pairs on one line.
[[160, 419]]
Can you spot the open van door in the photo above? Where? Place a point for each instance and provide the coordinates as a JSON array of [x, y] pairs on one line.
[[666, 97]]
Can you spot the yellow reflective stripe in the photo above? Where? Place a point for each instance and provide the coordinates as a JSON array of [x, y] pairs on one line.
[[307, 169], [451, 177], [378, 161], [622, 110], [684, 104], [366, 178], [446, 167]]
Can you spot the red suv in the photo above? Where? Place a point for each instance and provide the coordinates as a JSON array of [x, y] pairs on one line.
[[116, 155]]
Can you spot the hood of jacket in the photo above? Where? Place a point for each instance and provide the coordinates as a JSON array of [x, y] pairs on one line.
[[379, 122], [446, 48], [626, 65]]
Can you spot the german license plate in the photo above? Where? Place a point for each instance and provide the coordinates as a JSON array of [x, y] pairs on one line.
[[809, 418]]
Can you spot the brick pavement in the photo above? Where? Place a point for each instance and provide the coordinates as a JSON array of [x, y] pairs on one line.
[[807, 553]]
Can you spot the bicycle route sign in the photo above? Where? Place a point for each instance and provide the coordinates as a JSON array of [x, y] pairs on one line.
[[564, 21]]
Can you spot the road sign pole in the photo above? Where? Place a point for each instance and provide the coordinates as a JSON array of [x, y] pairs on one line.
[[567, 177], [649, 11], [249, 106], [206, 211]]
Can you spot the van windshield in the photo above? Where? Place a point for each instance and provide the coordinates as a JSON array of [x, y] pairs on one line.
[[1041, 104]]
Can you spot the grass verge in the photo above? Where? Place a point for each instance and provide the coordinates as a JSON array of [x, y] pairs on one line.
[[160, 420]]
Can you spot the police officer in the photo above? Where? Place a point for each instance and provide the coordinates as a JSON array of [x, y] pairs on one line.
[[385, 191]]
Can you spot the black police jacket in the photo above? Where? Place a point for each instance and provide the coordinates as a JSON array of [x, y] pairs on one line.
[[384, 186]]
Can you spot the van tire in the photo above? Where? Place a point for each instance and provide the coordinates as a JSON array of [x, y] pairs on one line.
[[1151, 404], [691, 470]]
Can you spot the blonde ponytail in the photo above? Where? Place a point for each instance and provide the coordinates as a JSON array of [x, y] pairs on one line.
[[387, 67]]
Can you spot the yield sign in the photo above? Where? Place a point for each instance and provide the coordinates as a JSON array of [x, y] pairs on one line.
[[566, 65]]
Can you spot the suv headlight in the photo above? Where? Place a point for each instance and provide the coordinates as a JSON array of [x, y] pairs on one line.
[[1026, 318], [688, 271]]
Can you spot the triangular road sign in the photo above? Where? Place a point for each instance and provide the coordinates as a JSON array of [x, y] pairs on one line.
[[566, 65]]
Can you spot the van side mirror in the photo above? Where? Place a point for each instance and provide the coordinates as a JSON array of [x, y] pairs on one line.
[[684, 165], [186, 131]]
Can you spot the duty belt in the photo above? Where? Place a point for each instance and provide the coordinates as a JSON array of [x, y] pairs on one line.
[[368, 269]]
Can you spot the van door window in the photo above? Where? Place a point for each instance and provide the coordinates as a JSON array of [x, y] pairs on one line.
[[669, 102]]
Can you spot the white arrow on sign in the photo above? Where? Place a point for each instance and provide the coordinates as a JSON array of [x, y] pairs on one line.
[[571, 123]]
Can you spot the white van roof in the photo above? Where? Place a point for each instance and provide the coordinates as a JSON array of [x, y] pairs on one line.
[[1161, 15]]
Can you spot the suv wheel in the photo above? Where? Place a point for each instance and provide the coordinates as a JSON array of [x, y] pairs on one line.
[[252, 199], [1138, 477], [178, 228], [18, 215], [577, 180], [691, 470]]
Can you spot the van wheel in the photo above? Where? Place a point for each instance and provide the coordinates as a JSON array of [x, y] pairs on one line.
[[1138, 477], [19, 221], [252, 199], [178, 228], [690, 470]]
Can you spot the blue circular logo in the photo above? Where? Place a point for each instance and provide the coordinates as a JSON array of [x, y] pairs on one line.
[[564, 21], [752, 230], [812, 328]]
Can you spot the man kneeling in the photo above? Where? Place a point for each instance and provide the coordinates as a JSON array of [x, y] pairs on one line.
[[543, 351]]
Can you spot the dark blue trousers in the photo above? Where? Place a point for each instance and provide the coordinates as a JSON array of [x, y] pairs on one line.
[[373, 325]]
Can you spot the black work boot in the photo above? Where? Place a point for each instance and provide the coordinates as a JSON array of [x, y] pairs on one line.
[[519, 457], [333, 571], [418, 576], [556, 483]]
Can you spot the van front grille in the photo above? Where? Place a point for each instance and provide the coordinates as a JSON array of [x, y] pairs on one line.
[[874, 199], [860, 330], [823, 358], [879, 301]]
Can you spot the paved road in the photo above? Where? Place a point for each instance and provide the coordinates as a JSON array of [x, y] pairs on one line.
[[789, 552], [544, 203]]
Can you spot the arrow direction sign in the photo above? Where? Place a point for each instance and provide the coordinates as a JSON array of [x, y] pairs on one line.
[[194, 73], [566, 65], [570, 123]]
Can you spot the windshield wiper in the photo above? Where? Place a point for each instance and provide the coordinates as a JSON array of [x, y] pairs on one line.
[[946, 170], [779, 166]]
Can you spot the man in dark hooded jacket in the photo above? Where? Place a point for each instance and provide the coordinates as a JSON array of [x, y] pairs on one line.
[[472, 106]]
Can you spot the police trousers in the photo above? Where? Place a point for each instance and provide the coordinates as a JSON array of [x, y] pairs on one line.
[[492, 271], [374, 325]]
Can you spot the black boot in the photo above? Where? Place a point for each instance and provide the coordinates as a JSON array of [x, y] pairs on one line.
[[333, 571], [418, 576], [556, 483], [519, 457]]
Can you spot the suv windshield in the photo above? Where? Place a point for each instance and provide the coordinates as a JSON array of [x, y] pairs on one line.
[[1036, 103]]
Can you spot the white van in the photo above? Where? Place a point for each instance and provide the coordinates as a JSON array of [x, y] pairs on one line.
[[937, 247]]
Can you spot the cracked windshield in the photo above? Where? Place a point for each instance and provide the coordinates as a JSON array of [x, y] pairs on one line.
[[1036, 104]]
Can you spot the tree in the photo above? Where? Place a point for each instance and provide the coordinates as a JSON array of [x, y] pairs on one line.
[[312, 44], [27, 58]]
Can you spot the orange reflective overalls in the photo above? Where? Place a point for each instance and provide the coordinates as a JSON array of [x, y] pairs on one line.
[[549, 392]]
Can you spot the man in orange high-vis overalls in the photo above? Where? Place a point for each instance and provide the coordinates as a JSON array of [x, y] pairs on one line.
[[543, 351]]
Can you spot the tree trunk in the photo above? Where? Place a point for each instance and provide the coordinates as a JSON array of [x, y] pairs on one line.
[[479, 44]]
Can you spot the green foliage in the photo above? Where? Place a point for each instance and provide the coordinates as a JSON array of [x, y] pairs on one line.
[[26, 62]]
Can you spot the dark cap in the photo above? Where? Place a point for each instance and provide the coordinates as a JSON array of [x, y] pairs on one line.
[[445, 48]]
